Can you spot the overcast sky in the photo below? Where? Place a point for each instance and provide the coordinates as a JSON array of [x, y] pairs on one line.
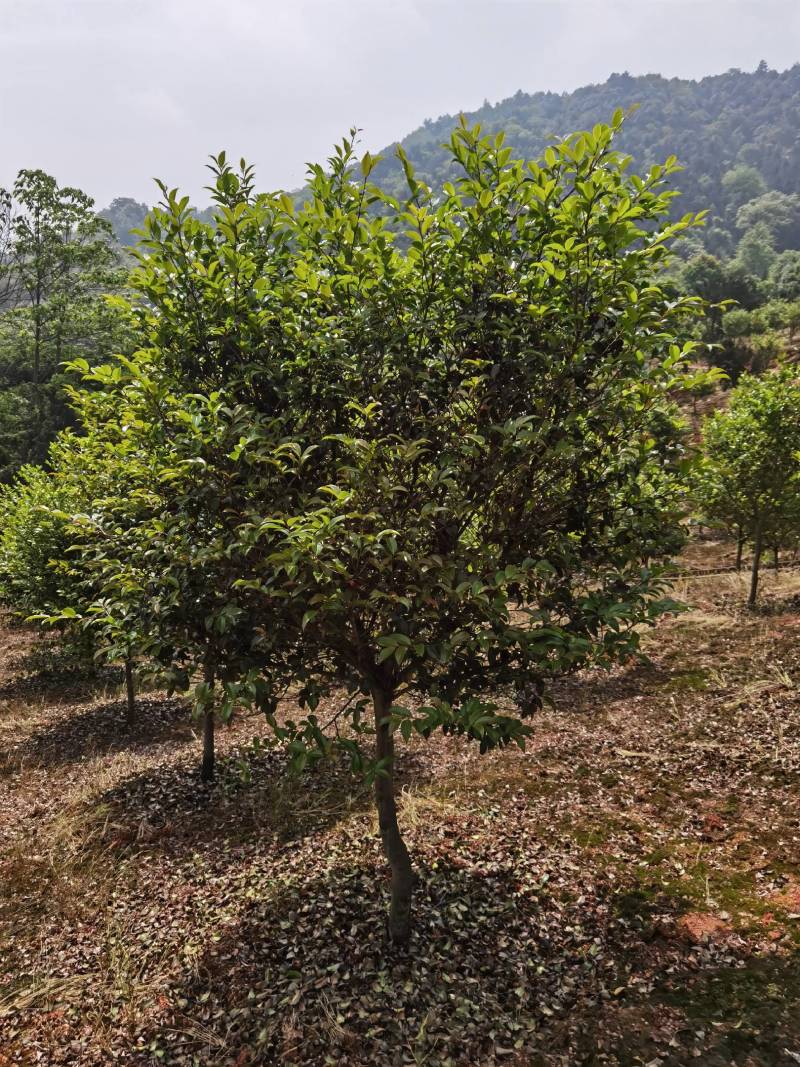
[[106, 94]]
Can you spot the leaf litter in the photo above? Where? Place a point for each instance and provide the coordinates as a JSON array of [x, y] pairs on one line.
[[625, 891]]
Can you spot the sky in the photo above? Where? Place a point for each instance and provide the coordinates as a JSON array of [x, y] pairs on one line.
[[108, 94]]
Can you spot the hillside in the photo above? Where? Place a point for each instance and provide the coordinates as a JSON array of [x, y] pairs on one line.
[[711, 125]]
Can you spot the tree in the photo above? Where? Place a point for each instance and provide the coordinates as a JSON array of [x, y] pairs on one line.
[[740, 185], [34, 541], [779, 212], [784, 276], [756, 251], [146, 545], [59, 264], [164, 555], [489, 384], [749, 478], [454, 459], [719, 284], [126, 216], [737, 323], [44, 575]]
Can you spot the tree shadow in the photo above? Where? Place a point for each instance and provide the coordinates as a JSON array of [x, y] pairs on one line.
[[500, 969], [254, 798], [99, 729], [500, 965], [601, 687], [745, 1013], [51, 674], [776, 605]]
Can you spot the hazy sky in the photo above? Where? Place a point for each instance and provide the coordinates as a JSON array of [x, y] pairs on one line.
[[105, 94]]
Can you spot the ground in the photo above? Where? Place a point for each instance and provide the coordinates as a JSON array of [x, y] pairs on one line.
[[626, 891]]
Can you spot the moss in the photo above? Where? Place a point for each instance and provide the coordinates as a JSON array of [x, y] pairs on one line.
[[695, 680], [597, 831], [494, 780]]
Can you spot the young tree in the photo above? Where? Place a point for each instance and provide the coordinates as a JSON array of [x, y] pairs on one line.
[[34, 541], [7, 280], [170, 575], [53, 520], [170, 549], [749, 478], [720, 284]]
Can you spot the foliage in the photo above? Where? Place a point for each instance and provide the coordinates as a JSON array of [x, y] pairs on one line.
[[749, 478], [59, 263]]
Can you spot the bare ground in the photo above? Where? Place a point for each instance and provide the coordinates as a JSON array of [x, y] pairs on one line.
[[626, 891]]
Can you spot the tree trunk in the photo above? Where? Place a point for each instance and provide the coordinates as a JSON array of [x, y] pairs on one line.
[[130, 713], [37, 341], [757, 548], [777, 559], [393, 844], [739, 550], [207, 766]]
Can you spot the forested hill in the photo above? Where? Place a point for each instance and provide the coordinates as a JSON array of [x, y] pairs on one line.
[[725, 121], [711, 125]]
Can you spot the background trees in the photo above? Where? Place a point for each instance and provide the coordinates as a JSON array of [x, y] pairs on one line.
[[57, 264], [749, 478], [734, 132], [739, 155], [728, 131], [126, 215]]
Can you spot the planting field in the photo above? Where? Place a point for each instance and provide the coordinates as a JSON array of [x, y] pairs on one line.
[[625, 891]]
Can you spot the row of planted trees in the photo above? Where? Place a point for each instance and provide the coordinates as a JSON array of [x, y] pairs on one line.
[[420, 453]]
